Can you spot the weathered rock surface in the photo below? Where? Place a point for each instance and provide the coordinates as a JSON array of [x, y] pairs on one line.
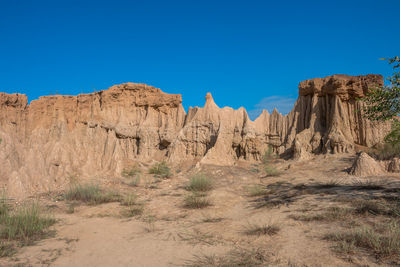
[[57, 137]]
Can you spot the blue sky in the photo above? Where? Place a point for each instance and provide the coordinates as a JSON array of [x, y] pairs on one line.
[[246, 53]]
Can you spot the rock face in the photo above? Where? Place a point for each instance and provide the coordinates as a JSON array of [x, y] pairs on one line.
[[54, 138]]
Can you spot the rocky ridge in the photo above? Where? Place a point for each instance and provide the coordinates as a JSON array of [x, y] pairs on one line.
[[55, 138]]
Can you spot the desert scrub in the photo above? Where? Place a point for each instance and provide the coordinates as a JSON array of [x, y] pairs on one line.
[[7, 249], [26, 223], [200, 182], [238, 257], [133, 211], [382, 241], [385, 151], [196, 201], [161, 169], [264, 229], [256, 190], [131, 172], [90, 193]]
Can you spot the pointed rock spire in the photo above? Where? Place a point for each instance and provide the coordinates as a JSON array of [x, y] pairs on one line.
[[210, 101]]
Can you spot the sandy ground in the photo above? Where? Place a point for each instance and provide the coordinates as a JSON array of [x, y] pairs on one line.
[[167, 234]]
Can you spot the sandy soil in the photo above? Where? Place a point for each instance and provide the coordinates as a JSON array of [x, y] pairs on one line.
[[167, 234]]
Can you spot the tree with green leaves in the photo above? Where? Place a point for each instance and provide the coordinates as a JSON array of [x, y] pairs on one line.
[[383, 103]]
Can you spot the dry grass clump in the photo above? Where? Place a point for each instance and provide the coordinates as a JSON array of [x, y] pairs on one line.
[[128, 200], [196, 201], [238, 257], [331, 214], [131, 172], [382, 241], [90, 193], [264, 229], [26, 223], [200, 182], [256, 190], [161, 170], [133, 211]]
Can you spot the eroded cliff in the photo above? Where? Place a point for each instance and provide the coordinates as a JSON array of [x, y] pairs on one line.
[[55, 138]]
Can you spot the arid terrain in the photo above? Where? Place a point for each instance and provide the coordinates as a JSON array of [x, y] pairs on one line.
[[297, 216], [125, 177]]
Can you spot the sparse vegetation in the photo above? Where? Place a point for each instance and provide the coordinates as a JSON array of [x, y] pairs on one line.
[[129, 200], [133, 211], [7, 249], [26, 223], [196, 201], [266, 160], [382, 242], [161, 170], [200, 182], [256, 190], [91, 194], [264, 229], [331, 214], [134, 181], [131, 172], [238, 257]]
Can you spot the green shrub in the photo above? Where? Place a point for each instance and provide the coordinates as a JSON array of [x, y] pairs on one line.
[[200, 183], [26, 223], [90, 193], [268, 156], [161, 170]]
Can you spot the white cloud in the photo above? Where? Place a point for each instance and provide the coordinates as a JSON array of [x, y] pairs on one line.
[[284, 104]]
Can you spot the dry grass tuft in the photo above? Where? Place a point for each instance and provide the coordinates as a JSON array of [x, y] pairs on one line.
[[264, 229], [239, 257], [200, 183], [161, 170], [91, 194], [196, 201]]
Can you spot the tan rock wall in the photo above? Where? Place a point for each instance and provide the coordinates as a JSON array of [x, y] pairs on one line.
[[54, 138]]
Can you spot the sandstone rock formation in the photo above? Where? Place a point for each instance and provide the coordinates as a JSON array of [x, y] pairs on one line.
[[56, 137], [364, 165]]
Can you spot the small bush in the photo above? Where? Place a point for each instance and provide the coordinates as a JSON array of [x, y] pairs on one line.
[[131, 172], [256, 190], [265, 229], [161, 170], [26, 223], [133, 211], [90, 193], [200, 183], [196, 201], [331, 214]]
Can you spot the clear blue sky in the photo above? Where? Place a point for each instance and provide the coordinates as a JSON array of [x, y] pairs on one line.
[[247, 53]]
